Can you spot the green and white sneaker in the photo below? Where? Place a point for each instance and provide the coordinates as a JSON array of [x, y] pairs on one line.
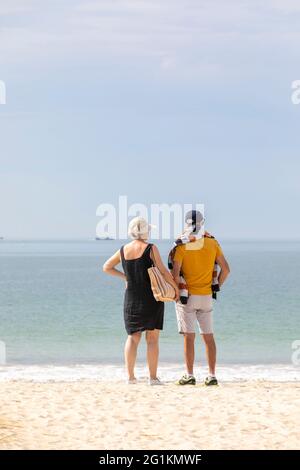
[[211, 380], [186, 379]]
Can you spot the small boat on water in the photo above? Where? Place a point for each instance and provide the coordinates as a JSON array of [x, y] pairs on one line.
[[103, 238]]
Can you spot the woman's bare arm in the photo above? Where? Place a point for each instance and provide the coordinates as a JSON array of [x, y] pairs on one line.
[[109, 266], [176, 271], [155, 255]]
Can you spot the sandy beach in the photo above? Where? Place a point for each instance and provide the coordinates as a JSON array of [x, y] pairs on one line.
[[90, 414]]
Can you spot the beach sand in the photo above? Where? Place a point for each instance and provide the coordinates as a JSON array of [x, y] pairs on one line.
[[95, 415]]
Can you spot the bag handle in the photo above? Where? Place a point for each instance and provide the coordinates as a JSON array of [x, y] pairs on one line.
[[153, 260]]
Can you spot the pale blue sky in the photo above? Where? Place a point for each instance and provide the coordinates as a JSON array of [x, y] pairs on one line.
[[163, 101]]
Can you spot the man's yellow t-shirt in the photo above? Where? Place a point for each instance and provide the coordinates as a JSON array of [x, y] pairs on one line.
[[197, 264]]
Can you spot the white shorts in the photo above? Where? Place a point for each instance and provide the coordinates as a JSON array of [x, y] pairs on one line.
[[198, 308]]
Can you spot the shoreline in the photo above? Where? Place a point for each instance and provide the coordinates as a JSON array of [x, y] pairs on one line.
[[168, 372], [89, 414]]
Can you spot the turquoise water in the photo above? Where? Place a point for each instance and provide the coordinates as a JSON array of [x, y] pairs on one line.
[[57, 307]]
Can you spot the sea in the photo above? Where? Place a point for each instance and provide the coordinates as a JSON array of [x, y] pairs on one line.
[[61, 317]]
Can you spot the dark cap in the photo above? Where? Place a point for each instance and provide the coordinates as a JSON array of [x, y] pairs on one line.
[[194, 217]]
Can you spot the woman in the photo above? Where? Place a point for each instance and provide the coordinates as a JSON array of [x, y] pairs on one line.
[[141, 311]]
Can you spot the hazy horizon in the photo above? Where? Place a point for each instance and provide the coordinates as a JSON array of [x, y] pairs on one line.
[[79, 239]]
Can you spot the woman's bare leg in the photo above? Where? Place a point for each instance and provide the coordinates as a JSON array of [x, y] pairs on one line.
[[152, 337], [130, 351]]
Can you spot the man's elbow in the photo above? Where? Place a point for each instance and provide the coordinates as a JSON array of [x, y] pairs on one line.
[[227, 270]]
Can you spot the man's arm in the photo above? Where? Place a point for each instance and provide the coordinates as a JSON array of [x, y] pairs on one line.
[[225, 269]]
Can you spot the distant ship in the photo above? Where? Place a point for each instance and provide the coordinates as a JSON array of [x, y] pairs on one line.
[[1, 238], [103, 238]]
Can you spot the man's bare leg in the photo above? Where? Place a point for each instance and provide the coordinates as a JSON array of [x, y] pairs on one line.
[[211, 352], [189, 352]]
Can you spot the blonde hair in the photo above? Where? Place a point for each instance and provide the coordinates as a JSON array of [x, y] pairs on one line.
[[139, 229]]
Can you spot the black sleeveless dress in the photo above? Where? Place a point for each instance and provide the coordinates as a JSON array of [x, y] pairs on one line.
[[141, 310]]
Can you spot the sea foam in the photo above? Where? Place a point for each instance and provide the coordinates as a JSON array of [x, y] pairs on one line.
[[167, 372]]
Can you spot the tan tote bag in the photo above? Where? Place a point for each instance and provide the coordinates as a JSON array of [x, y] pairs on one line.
[[162, 290]]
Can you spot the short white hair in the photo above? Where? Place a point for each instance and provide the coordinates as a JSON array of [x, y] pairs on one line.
[[139, 229]]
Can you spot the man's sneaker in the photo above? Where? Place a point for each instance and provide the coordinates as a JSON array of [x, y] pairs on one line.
[[211, 380], [186, 380], [155, 382]]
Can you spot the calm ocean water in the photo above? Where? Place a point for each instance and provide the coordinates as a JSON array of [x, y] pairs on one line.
[[58, 308]]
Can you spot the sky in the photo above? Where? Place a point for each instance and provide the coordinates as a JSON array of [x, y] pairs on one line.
[[174, 101]]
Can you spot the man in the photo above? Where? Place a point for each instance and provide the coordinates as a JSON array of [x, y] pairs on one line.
[[194, 261]]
